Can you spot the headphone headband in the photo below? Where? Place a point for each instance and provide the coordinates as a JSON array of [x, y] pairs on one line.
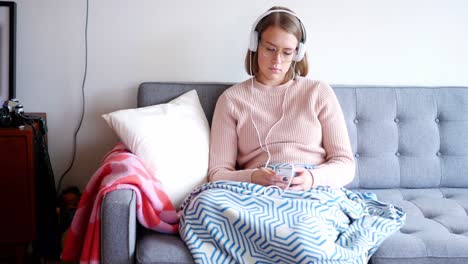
[[254, 34]]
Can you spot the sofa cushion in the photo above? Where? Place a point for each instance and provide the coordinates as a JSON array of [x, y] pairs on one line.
[[407, 137], [155, 247], [436, 229]]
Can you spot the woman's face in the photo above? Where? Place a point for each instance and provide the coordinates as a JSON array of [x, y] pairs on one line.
[[276, 50]]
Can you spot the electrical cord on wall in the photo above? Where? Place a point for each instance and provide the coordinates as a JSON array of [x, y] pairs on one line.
[[59, 185]]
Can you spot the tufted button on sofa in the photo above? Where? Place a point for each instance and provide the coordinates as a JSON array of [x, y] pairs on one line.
[[410, 146]]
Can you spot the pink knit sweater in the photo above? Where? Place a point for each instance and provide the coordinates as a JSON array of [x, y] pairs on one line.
[[312, 131]]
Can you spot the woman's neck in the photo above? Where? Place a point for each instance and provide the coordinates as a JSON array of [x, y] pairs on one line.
[[270, 83]]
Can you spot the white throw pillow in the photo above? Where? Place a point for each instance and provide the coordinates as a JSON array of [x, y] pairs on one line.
[[171, 139]]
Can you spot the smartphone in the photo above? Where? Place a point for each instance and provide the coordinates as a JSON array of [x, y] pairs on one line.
[[286, 172]]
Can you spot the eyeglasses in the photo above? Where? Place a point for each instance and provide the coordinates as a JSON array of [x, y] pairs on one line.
[[270, 51]]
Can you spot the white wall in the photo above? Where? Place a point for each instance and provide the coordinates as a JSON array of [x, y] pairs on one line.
[[419, 42]]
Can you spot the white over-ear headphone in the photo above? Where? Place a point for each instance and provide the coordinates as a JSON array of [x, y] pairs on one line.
[[254, 37]]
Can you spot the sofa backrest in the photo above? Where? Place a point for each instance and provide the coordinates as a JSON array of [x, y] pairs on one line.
[[402, 137]]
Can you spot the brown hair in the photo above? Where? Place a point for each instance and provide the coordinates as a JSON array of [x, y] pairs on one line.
[[288, 23]]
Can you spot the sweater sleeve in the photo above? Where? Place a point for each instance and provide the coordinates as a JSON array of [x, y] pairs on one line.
[[339, 168], [223, 144]]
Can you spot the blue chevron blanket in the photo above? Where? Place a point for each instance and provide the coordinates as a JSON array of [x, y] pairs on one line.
[[239, 222]]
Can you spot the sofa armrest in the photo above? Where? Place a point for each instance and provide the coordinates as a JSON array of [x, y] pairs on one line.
[[118, 227]]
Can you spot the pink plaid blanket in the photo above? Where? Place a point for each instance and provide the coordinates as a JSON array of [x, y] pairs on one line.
[[120, 169]]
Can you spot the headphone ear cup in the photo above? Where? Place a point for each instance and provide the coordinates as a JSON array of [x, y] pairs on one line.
[[253, 46], [300, 52]]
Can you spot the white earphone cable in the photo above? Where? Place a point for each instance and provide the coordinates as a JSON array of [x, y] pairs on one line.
[[264, 145]]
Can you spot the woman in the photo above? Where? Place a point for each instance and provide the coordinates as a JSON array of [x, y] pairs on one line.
[[278, 116]]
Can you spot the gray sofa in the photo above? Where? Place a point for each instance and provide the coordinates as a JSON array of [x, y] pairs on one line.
[[411, 149]]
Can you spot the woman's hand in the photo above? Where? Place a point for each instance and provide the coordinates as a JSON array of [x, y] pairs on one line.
[[268, 177], [303, 181]]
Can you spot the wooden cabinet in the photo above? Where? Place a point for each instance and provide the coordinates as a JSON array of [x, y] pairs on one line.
[[17, 178], [17, 194]]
